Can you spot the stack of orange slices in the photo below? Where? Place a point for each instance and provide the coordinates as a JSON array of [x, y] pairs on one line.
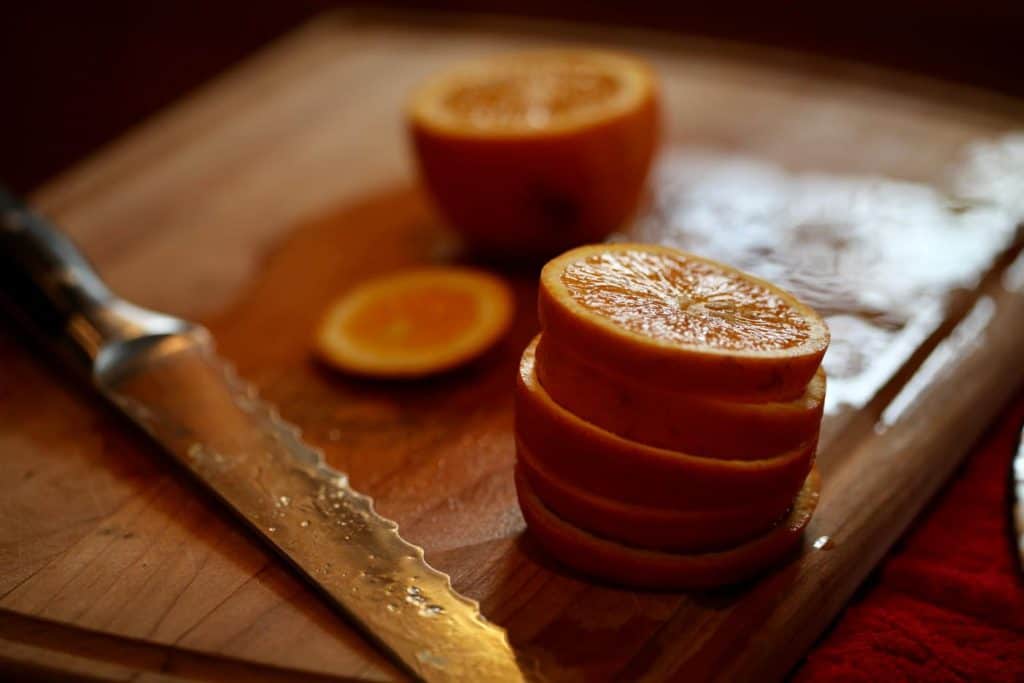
[[667, 418]]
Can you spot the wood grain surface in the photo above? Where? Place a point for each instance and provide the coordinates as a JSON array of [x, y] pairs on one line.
[[253, 203]]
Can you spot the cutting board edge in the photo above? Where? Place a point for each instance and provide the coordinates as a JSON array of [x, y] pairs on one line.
[[64, 188]]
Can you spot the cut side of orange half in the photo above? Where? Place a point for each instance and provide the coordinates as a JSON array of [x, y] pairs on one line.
[[612, 467], [534, 152], [647, 527], [689, 422], [415, 323], [681, 322], [627, 565], [527, 94]]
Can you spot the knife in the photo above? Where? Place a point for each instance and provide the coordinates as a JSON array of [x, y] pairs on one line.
[[1017, 498], [163, 373]]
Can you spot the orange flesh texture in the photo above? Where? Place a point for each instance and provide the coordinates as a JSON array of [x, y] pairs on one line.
[[411, 320], [680, 301], [644, 527], [532, 94], [627, 565], [681, 322], [516, 99], [415, 322], [687, 422], [536, 154], [609, 466]]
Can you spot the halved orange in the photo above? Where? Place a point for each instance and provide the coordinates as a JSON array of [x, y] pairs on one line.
[[619, 469], [647, 527], [631, 566], [688, 422], [415, 322], [681, 322], [530, 153]]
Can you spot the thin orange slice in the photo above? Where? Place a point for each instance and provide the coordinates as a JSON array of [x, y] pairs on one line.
[[612, 467], [531, 153], [692, 423], [675, 320], [647, 527], [416, 322], [631, 566]]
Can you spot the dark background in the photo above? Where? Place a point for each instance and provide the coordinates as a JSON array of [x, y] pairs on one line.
[[77, 74]]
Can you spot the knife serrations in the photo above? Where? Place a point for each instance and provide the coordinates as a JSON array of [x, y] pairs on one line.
[[194, 404]]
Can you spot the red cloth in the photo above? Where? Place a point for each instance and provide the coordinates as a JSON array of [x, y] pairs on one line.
[[948, 602]]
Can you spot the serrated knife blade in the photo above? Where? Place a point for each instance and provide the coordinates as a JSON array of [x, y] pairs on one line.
[[164, 374]]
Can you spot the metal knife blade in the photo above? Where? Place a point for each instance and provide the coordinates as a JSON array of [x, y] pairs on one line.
[[1017, 498], [164, 374]]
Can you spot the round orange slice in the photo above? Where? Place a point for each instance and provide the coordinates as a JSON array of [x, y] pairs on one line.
[[688, 422], [531, 153], [646, 527], [612, 467], [623, 564], [685, 323], [416, 322]]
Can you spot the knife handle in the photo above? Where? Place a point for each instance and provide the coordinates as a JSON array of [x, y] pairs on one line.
[[49, 286]]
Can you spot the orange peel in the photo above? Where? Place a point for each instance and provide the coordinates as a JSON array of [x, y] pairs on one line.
[[627, 565], [615, 468], [646, 527], [530, 153], [692, 423]]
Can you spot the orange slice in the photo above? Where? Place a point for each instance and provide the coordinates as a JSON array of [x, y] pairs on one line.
[[631, 566], [612, 467], [415, 323], [686, 422], [646, 527], [675, 320], [530, 153]]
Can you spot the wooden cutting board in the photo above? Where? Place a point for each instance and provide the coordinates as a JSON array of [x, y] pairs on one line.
[[253, 202]]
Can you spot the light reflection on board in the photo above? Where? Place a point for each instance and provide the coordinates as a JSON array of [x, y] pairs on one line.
[[878, 257]]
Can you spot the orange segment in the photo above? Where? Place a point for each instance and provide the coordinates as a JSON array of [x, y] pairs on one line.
[[647, 527], [681, 322], [415, 322], [530, 153], [612, 467], [627, 565], [692, 423]]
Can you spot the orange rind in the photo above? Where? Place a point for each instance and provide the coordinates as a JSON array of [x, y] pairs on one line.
[[530, 153], [647, 527], [688, 422], [615, 468], [637, 567]]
